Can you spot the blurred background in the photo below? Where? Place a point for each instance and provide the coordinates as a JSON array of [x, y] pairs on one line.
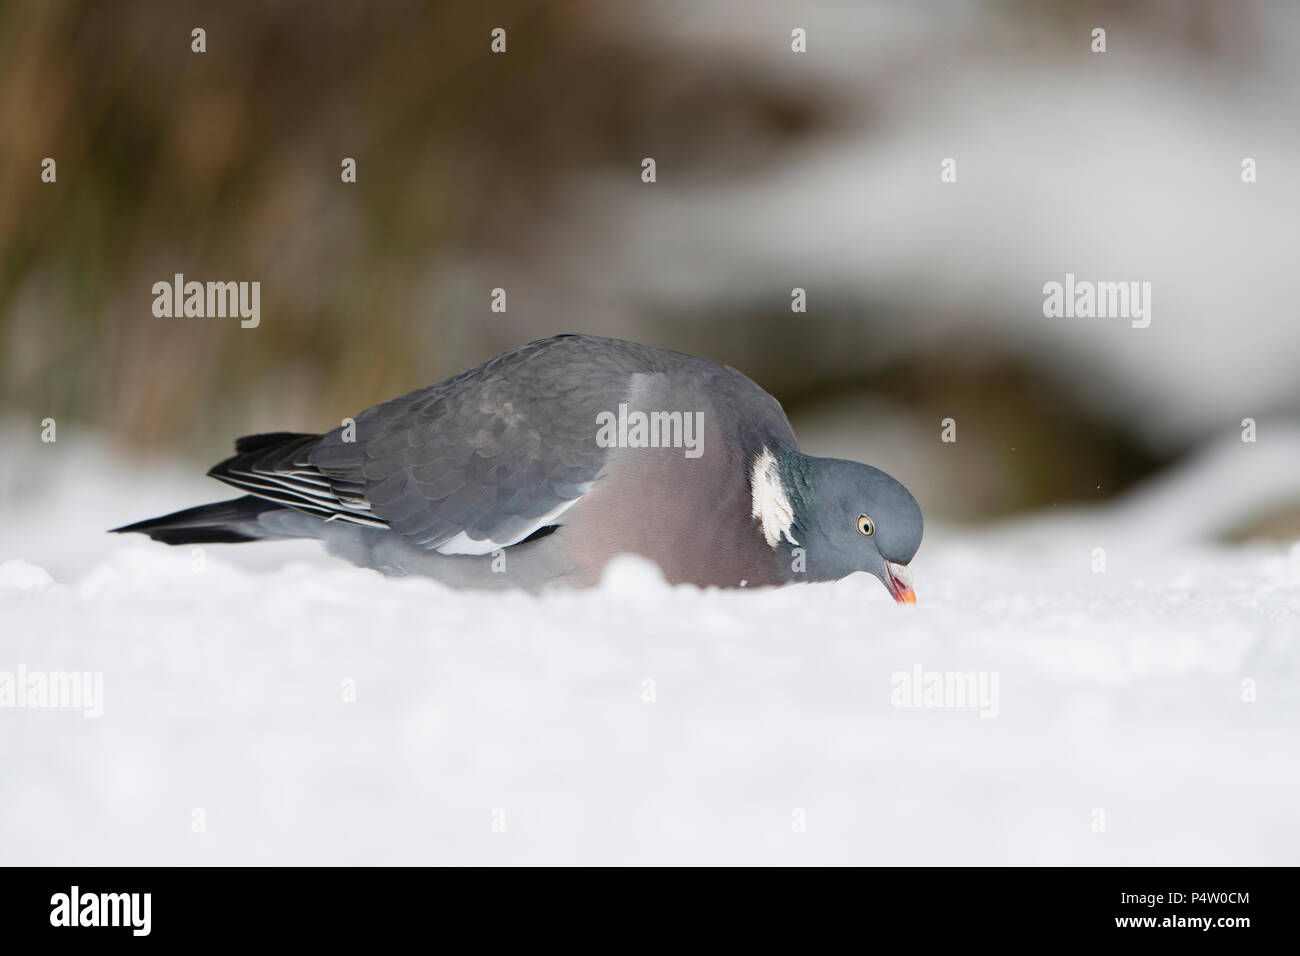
[[775, 170]]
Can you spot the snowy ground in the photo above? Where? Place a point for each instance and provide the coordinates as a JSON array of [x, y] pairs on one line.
[[491, 729]]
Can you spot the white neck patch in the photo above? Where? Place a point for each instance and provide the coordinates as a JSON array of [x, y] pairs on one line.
[[771, 505]]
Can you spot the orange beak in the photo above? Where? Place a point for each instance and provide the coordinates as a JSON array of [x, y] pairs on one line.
[[900, 582]]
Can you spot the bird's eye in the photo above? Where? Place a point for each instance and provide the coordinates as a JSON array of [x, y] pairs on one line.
[[866, 525]]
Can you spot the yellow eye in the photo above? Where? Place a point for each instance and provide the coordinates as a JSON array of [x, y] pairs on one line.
[[866, 525]]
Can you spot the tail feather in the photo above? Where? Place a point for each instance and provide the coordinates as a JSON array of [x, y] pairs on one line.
[[269, 441], [222, 522]]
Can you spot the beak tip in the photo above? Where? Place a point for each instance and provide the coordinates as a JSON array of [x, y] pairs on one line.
[[900, 583]]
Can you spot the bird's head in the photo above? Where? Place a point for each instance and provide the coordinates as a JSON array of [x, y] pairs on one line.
[[846, 516]]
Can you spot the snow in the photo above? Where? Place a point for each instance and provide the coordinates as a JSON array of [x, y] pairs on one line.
[[1123, 731]]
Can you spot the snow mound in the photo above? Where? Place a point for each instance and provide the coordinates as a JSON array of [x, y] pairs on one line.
[[313, 714], [16, 573]]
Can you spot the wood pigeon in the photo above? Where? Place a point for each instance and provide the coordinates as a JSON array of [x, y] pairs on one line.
[[540, 465]]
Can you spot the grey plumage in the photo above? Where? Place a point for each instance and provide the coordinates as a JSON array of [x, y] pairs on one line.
[[496, 478]]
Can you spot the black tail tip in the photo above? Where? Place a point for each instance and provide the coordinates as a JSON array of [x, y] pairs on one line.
[[222, 522], [184, 535]]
